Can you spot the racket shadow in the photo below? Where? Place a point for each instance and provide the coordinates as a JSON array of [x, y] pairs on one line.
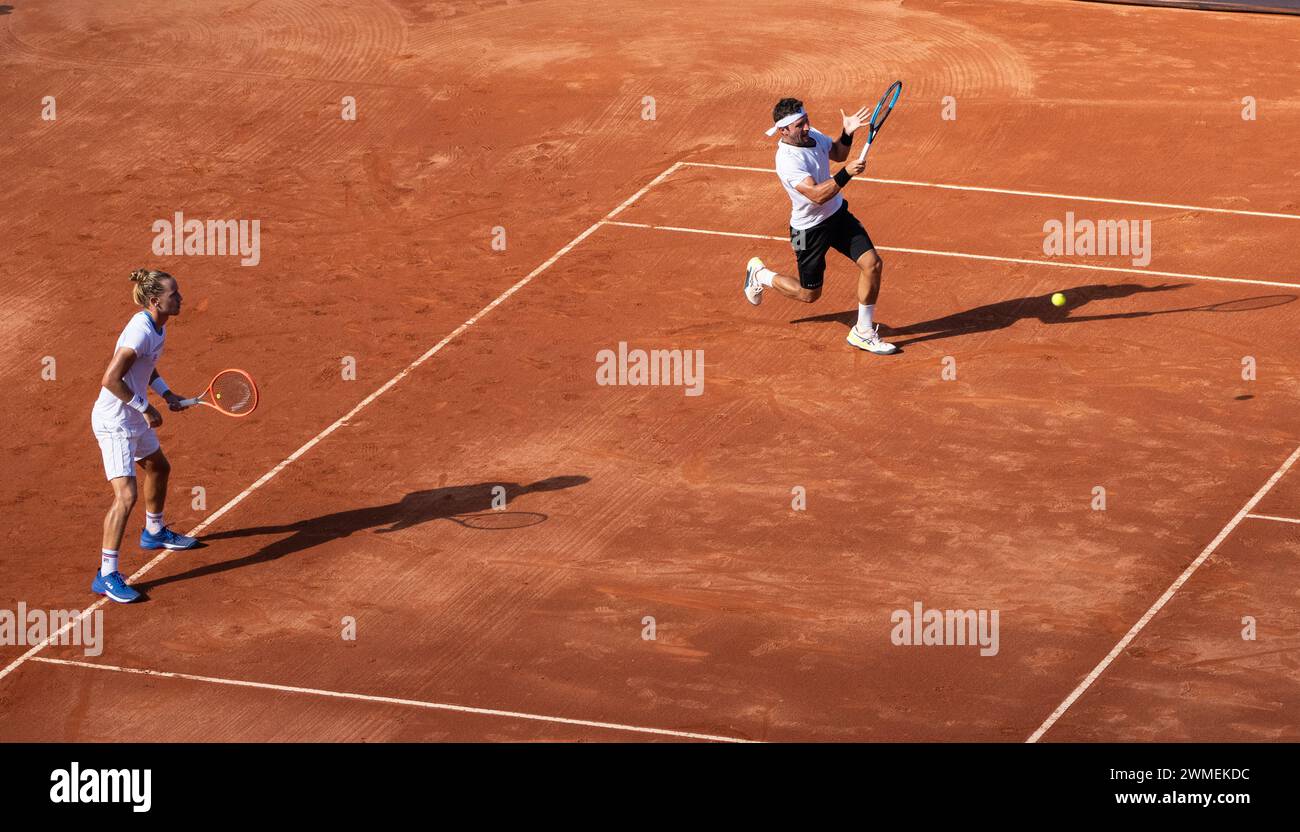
[[1002, 314], [465, 504]]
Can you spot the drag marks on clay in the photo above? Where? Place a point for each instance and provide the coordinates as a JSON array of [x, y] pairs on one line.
[[474, 622], [259, 45], [388, 700], [436, 11], [944, 57]]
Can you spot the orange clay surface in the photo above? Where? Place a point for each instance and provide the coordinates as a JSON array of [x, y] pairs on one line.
[[771, 623]]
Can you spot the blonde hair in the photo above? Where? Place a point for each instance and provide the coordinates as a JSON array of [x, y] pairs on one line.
[[148, 284]]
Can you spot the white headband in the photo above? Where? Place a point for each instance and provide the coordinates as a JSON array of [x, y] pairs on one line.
[[786, 122]]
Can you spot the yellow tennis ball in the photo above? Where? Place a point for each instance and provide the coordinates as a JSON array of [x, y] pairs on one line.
[[1058, 299], [1053, 301]]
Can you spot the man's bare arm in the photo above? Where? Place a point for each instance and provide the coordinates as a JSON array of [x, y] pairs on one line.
[[117, 368], [821, 192], [113, 382], [818, 192]]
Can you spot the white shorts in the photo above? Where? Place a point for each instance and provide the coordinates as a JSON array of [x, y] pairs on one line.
[[121, 448]]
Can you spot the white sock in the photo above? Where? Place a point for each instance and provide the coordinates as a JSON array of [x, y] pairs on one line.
[[108, 561], [764, 276], [866, 312], [153, 522]]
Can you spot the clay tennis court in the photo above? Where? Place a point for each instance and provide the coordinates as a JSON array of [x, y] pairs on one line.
[[960, 473]]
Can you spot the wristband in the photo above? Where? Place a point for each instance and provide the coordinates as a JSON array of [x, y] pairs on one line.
[[160, 387], [846, 138], [138, 402], [842, 178]]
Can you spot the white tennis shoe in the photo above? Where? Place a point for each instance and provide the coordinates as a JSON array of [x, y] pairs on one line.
[[871, 342], [753, 289]]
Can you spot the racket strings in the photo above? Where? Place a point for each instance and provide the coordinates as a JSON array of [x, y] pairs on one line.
[[234, 392], [885, 106]]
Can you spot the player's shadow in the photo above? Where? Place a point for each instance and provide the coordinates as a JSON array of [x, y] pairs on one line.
[[6, 9], [412, 510], [1004, 313]]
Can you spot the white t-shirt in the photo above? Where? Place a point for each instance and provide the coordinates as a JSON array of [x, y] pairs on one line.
[[793, 165], [141, 336]]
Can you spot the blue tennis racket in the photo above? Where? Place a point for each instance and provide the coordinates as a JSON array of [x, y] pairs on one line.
[[882, 111]]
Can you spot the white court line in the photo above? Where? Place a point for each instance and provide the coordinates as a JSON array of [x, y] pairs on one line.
[[1163, 599], [389, 700], [696, 230], [968, 256], [1270, 517], [311, 443], [1040, 194]]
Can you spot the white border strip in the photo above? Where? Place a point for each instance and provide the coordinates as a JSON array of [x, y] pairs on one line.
[[342, 420], [1270, 517], [389, 700], [968, 256], [1040, 194], [1163, 599]]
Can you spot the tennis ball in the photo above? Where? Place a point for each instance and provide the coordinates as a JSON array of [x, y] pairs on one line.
[[1058, 299]]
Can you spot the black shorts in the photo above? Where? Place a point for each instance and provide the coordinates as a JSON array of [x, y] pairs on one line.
[[840, 231]]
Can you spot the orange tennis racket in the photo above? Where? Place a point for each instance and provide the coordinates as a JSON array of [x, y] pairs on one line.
[[231, 391]]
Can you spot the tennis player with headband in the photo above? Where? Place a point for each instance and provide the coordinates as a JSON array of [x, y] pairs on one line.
[[124, 423], [820, 219]]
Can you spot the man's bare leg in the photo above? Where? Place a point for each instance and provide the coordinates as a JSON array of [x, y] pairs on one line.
[[108, 581], [863, 335], [789, 286], [156, 534], [870, 267], [124, 496], [759, 277]]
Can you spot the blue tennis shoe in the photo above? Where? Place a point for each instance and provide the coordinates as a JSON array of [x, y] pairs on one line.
[[114, 586], [166, 539]]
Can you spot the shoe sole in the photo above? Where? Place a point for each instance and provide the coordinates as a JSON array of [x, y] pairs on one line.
[[744, 286], [170, 547], [110, 596], [865, 348]]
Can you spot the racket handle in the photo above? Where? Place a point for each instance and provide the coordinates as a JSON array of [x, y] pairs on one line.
[[189, 402]]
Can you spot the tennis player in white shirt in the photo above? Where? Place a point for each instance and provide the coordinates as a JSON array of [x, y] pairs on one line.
[[820, 219], [124, 423]]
